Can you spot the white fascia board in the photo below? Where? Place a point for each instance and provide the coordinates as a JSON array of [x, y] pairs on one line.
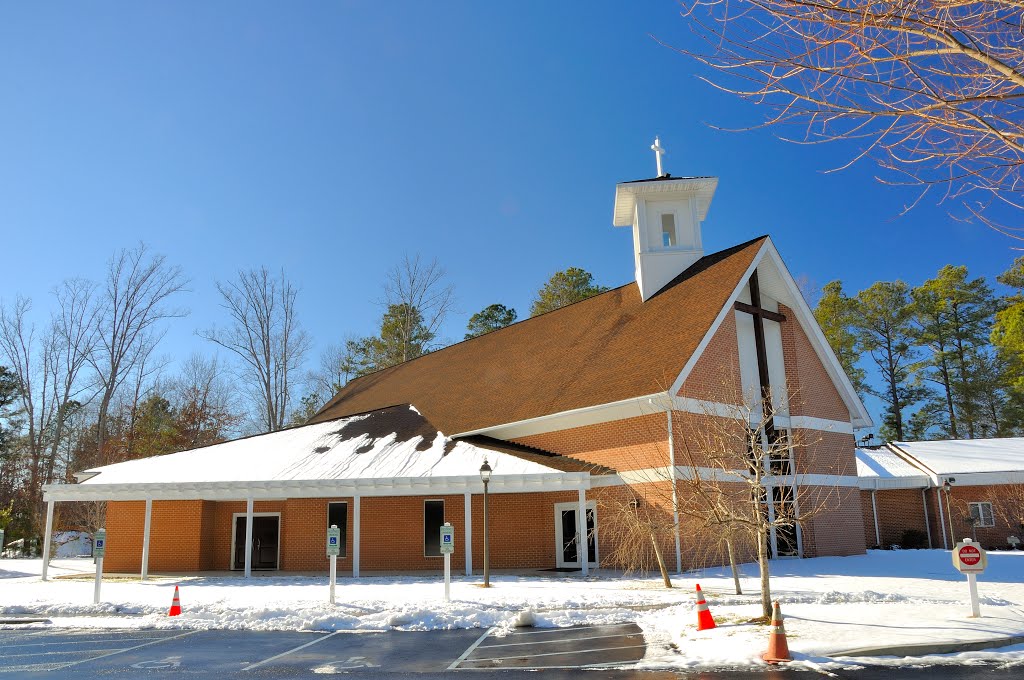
[[727, 308], [581, 417], [890, 483], [858, 412], [326, 488]]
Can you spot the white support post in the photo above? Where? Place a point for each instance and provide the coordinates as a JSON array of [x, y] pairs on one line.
[[927, 524], [46, 537], [334, 575], [942, 521], [248, 537], [355, 536], [145, 538], [675, 493], [581, 545], [874, 513], [468, 503]]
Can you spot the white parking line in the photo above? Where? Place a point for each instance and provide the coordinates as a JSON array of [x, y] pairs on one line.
[[575, 651], [548, 631], [555, 642], [78, 642], [128, 649], [469, 650], [67, 664], [308, 644]]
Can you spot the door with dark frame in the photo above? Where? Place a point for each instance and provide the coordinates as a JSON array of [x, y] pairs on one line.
[[266, 535]]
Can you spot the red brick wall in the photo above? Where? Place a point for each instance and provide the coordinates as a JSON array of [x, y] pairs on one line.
[[898, 510], [628, 444], [835, 521], [716, 375], [196, 535], [812, 392]]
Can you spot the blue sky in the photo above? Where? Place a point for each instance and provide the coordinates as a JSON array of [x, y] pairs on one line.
[[331, 138]]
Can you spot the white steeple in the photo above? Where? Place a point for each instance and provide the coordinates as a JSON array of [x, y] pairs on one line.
[[666, 214]]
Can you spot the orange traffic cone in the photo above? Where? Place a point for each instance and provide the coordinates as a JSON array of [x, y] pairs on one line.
[[175, 604], [778, 647], [704, 619]]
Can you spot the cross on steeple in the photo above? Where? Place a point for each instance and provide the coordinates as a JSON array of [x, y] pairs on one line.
[[760, 314], [658, 153]]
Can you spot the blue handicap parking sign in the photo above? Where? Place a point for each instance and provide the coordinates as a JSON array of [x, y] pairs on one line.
[[447, 538], [334, 540]]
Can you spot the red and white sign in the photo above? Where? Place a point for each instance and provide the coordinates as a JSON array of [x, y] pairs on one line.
[[969, 557]]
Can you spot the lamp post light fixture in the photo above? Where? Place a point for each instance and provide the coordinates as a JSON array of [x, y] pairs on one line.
[[485, 475], [947, 486]]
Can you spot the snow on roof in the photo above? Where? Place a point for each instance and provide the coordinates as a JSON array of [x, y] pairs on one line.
[[964, 456], [884, 469], [395, 442]]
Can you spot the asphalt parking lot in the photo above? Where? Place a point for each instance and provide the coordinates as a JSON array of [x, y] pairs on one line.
[[78, 654]]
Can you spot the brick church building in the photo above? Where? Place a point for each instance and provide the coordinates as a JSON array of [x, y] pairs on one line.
[[603, 398]]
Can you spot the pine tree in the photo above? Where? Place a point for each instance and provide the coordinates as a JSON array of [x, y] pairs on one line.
[[490, 318], [836, 314], [564, 288], [883, 322], [952, 316], [403, 337]]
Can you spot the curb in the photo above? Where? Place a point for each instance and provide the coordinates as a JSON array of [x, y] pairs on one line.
[[933, 648]]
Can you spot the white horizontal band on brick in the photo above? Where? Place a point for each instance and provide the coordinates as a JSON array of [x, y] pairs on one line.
[[663, 474], [318, 488], [646, 405]]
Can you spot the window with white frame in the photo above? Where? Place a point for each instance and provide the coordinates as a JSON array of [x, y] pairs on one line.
[[982, 514], [668, 230]]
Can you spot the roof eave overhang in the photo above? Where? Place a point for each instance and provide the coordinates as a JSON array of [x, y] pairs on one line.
[[627, 193], [317, 488]]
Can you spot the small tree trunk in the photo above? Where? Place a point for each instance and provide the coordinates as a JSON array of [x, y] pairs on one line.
[[661, 561], [762, 562], [732, 564]]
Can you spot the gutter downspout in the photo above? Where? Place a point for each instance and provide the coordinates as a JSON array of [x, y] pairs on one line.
[[942, 522], [927, 524], [675, 491], [874, 513]]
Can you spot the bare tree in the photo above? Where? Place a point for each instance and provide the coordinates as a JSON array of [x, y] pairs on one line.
[[48, 368], [134, 298], [930, 91], [737, 482], [203, 400], [745, 481], [266, 336], [419, 290]]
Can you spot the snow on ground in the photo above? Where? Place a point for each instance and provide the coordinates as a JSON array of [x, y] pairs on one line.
[[832, 606]]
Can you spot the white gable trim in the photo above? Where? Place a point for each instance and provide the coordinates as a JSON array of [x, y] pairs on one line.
[[859, 414], [580, 417]]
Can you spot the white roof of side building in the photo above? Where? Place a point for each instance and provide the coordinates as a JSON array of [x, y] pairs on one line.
[[394, 451], [881, 468], [971, 461]]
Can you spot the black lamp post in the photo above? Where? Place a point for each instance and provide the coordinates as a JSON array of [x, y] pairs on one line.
[[485, 475], [947, 486]]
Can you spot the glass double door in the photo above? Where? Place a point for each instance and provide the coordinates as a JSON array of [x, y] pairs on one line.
[[567, 539]]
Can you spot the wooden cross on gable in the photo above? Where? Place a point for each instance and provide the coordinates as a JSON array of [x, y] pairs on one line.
[[760, 314]]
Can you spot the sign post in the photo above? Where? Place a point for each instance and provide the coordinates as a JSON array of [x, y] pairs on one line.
[[333, 548], [969, 558], [99, 549], [1, 542], [447, 548]]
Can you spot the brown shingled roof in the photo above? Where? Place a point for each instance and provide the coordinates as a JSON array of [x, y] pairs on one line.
[[607, 348]]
